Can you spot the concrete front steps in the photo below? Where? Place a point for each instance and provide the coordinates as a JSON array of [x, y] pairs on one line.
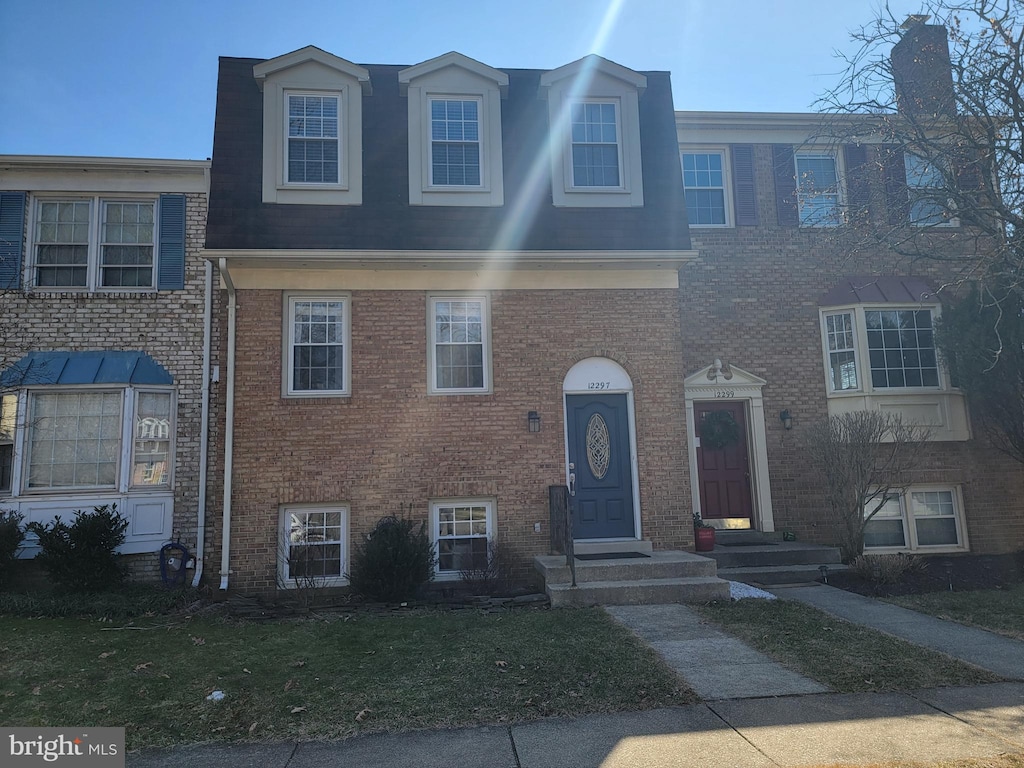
[[763, 559], [663, 577]]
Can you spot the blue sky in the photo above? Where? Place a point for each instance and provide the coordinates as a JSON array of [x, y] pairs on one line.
[[138, 78]]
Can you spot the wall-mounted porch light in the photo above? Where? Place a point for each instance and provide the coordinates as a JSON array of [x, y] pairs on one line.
[[533, 421], [787, 419]]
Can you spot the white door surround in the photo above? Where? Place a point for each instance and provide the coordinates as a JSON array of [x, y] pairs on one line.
[[719, 382], [601, 375]]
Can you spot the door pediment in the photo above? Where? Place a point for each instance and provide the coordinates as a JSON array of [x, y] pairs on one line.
[[720, 380]]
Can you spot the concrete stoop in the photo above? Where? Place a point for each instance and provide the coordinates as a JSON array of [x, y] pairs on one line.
[[766, 564], [662, 577]]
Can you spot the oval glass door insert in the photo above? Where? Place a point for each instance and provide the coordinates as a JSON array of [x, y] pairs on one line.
[[599, 446]]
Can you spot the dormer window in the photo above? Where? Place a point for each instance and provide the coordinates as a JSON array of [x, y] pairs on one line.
[[312, 128], [455, 142], [314, 146], [595, 144], [455, 148], [594, 115]]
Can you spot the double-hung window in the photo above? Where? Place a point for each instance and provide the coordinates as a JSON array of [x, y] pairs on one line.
[[459, 342], [594, 128], [317, 355], [97, 243], [8, 411], [313, 545], [78, 439], [924, 180], [817, 189], [463, 529], [313, 140], [897, 344], [704, 175], [927, 518], [455, 142]]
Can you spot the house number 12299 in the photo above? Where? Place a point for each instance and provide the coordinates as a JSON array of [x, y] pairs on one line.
[[599, 385], [725, 393]]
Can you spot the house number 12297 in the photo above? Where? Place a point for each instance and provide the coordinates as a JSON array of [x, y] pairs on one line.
[[599, 385], [725, 393]]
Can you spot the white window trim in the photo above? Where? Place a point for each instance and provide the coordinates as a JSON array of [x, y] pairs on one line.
[[287, 183], [94, 272], [288, 337], [727, 182], [284, 578], [571, 166], [126, 457], [912, 192], [910, 529], [482, 148], [840, 192], [861, 352], [489, 504], [432, 300]]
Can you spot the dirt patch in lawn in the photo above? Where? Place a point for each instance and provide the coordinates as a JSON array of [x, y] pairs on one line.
[[938, 572]]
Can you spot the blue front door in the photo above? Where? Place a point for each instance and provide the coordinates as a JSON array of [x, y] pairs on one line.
[[598, 428]]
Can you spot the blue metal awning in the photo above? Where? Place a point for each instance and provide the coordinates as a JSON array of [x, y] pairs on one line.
[[48, 368]]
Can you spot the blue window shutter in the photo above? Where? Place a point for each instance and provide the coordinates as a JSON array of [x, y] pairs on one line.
[[171, 264], [12, 238]]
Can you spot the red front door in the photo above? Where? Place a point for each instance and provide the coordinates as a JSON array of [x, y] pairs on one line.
[[723, 472]]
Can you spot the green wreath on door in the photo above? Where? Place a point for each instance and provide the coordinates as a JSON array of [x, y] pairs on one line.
[[718, 429]]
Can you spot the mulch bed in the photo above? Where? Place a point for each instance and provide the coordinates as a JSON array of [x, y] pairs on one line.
[[963, 572]]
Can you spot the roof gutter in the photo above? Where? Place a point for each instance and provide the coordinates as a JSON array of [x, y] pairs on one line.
[[229, 428]]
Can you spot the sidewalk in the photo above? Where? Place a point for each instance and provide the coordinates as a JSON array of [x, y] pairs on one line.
[[1001, 655], [819, 729], [756, 713]]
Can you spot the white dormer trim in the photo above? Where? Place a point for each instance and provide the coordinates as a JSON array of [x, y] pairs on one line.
[[454, 76], [312, 54], [595, 80], [312, 71]]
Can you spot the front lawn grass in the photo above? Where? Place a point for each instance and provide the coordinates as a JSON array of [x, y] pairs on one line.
[[323, 679], [998, 610], [846, 657]]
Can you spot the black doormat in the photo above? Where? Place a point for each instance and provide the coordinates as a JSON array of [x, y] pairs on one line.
[[747, 543], [610, 555]]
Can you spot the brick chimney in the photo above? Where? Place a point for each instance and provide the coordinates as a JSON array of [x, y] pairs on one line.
[[921, 69]]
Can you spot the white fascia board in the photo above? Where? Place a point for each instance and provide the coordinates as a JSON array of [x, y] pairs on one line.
[[102, 174], [454, 59], [598, 63], [506, 260], [311, 53]]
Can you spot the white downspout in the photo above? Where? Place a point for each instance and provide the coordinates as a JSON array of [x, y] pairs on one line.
[[229, 428], [204, 429]]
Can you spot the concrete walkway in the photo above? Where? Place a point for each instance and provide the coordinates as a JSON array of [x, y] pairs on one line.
[[820, 729], [715, 665], [1001, 655], [756, 712]]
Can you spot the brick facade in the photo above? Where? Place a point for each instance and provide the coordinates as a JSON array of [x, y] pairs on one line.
[[166, 324], [751, 299], [391, 447]]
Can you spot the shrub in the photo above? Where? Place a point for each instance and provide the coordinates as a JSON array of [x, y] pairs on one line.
[[494, 578], [886, 569], [11, 536], [82, 556], [393, 561]]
